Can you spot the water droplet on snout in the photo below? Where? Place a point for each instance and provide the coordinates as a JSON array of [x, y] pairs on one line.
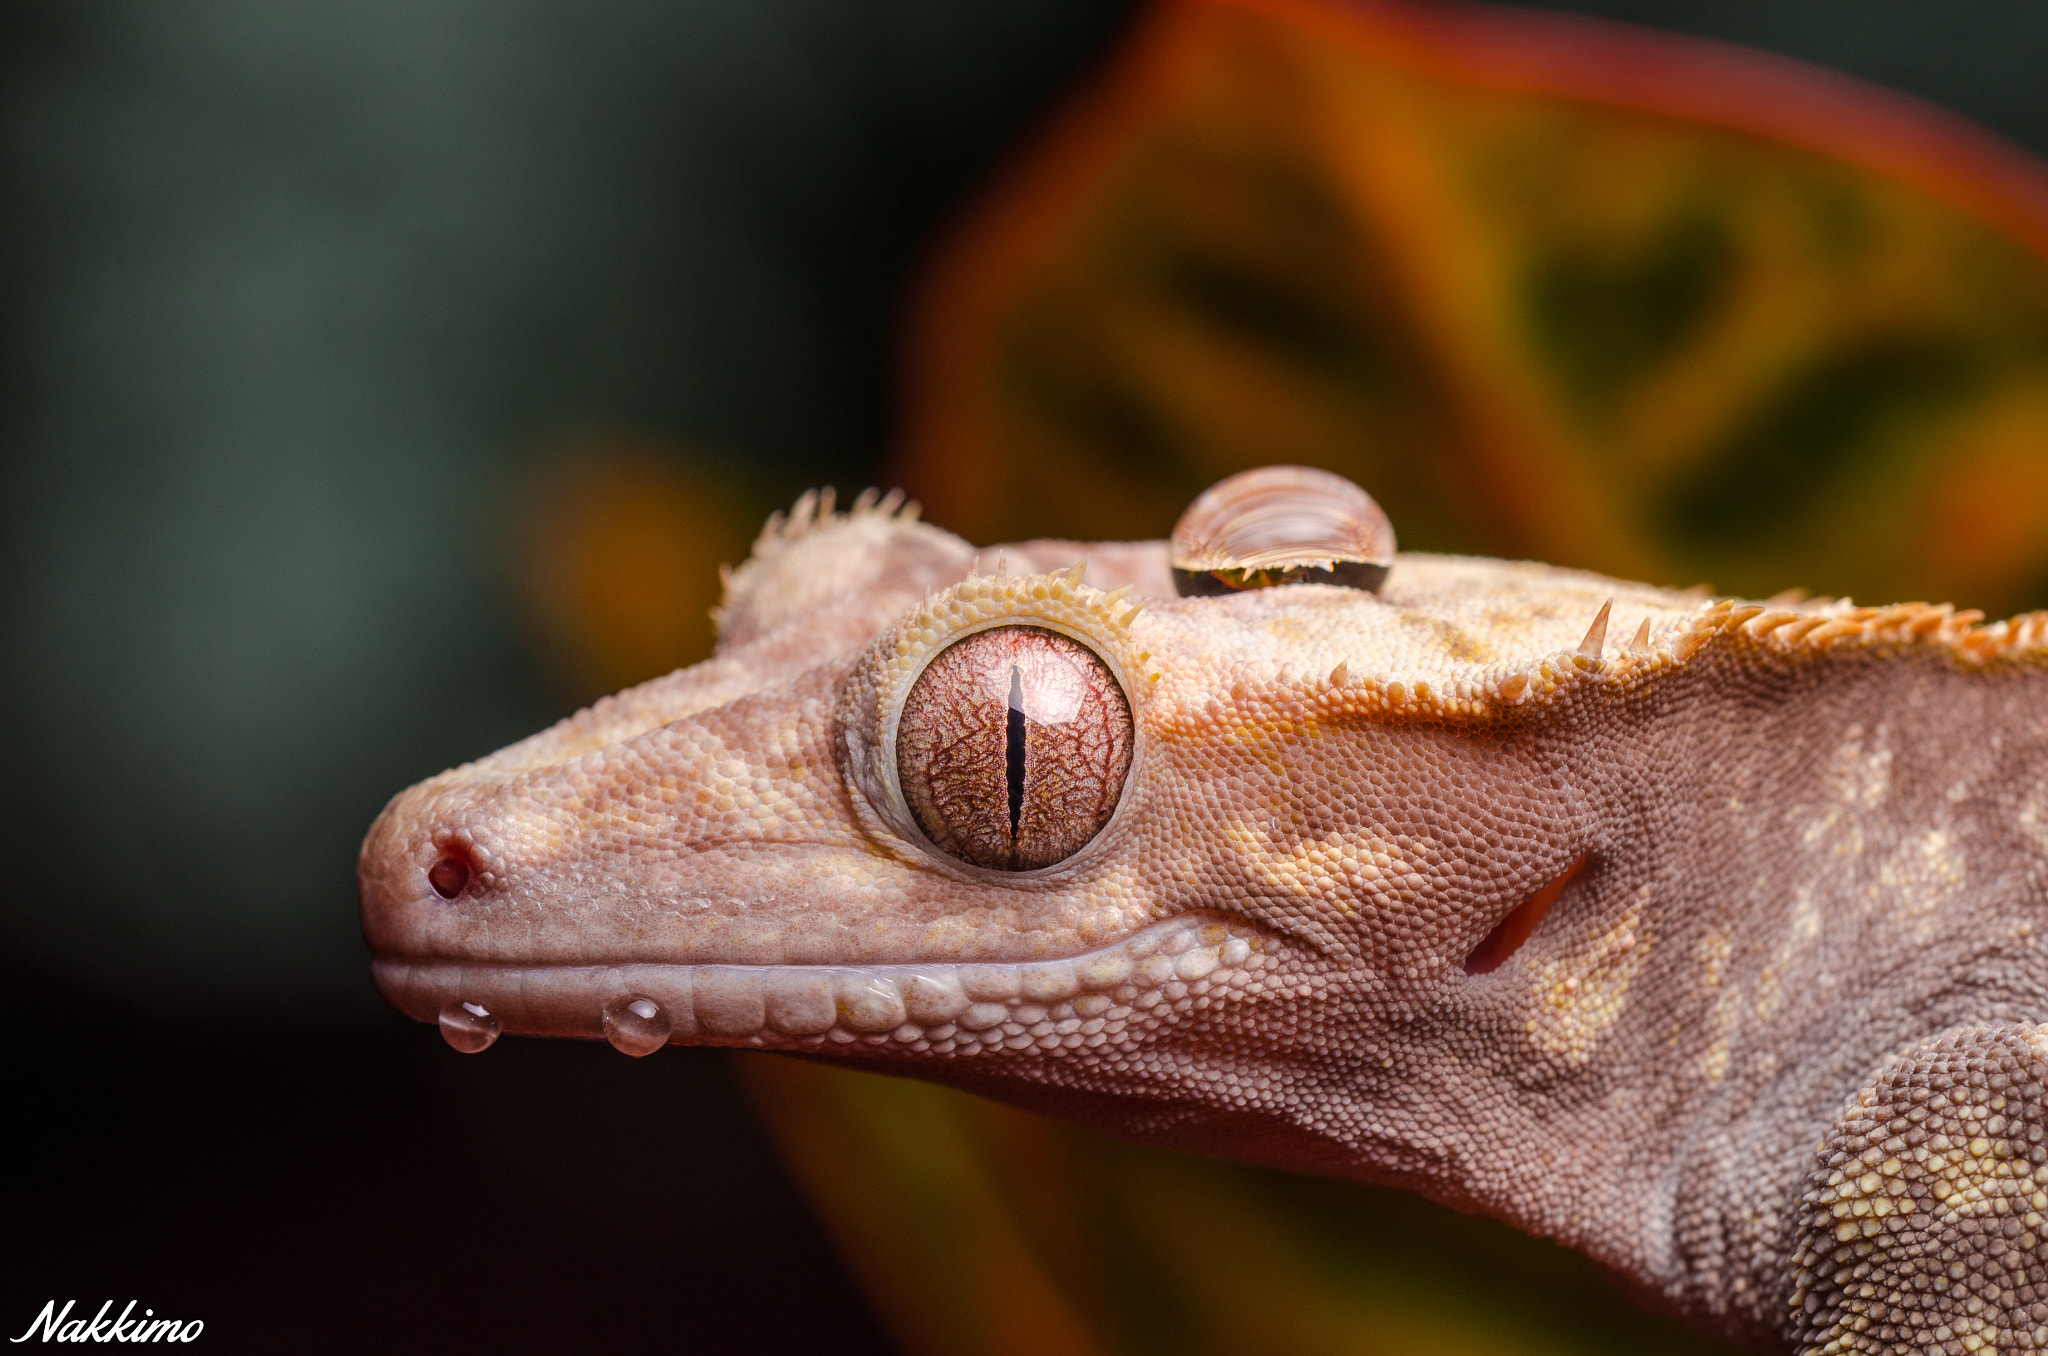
[[469, 1027], [636, 1026]]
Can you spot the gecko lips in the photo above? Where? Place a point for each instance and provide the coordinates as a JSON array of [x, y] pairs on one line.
[[957, 1010]]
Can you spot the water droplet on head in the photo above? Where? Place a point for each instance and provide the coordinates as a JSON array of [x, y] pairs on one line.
[[1280, 525], [469, 1027], [636, 1026]]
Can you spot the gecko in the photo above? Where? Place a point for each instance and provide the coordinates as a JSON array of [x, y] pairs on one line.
[[1702, 935]]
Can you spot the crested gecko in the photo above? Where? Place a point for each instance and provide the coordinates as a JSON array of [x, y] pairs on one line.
[[1695, 933]]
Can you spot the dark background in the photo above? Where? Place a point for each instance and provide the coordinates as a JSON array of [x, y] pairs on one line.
[[289, 297]]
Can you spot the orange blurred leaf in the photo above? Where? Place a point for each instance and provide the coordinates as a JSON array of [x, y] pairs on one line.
[[1545, 286]]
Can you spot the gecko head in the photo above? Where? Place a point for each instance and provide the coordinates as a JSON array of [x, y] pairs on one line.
[[802, 856], [1152, 867]]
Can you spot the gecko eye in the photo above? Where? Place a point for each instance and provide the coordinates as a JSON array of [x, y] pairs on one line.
[[1013, 748]]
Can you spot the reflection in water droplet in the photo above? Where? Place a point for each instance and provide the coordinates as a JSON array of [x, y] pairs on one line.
[[637, 1026], [469, 1027]]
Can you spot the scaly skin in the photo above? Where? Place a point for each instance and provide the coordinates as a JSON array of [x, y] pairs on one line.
[[1735, 1061]]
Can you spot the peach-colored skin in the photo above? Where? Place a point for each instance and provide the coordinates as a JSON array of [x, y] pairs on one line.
[[1816, 862]]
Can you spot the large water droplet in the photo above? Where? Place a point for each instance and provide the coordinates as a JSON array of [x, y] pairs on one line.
[[469, 1027], [637, 1026]]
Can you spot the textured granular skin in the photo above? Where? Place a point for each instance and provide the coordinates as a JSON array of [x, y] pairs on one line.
[[1923, 1228], [1815, 859]]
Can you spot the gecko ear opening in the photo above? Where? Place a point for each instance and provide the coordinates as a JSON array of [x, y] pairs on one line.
[[1507, 938]]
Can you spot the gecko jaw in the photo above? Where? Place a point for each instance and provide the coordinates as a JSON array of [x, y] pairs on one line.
[[1175, 966]]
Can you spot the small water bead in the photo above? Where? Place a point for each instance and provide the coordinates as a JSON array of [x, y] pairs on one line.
[[469, 1027], [637, 1026]]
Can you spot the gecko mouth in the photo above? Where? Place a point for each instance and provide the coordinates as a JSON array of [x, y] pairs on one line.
[[1178, 966]]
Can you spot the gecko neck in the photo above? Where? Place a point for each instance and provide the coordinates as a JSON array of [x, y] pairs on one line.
[[1838, 838]]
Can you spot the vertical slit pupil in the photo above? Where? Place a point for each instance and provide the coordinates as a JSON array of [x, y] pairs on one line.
[[1016, 748]]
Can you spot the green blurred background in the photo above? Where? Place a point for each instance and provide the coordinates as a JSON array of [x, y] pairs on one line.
[[304, 307]]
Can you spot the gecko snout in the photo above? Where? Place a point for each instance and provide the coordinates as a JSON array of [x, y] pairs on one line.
[[424, 869]]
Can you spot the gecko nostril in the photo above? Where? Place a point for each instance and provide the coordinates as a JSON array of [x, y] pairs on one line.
[[449, 876]]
